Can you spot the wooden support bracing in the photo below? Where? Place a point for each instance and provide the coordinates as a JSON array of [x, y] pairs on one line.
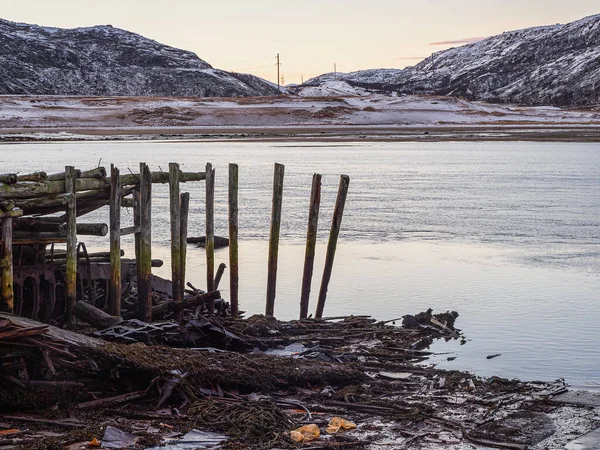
[[274, 238], [115, 243]]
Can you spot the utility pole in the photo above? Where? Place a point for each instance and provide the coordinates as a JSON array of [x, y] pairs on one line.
[[302, 79], [278, 64], [335, 71]]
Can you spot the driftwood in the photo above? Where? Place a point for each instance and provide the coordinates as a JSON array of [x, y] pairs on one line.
[[220, 242], [170, 306], [94, 316]]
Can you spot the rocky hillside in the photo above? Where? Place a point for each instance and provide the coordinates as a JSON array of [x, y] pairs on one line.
[[551, 65], [108, 61]]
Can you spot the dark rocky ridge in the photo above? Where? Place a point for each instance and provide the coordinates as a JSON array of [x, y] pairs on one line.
[[108, 61], [551, 65]]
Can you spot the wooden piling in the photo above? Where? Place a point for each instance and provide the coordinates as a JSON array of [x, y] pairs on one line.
[[210, 233], [274, 238], [6, 265], [233, 240], [336, 223], [115, 242], [185, 208], [145, 245], [71, 262], [311, 242], [175, 203], [136, 223]]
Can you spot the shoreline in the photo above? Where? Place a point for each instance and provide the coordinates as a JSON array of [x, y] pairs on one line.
[[321, 133]]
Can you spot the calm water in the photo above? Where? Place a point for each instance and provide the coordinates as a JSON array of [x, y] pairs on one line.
[[508, 234]]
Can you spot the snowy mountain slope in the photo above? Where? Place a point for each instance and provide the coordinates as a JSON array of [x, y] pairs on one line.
[[103, 60], [554, 65]]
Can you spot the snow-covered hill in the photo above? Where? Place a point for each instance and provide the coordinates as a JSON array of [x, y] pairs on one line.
[[104, 60], [550, 65]]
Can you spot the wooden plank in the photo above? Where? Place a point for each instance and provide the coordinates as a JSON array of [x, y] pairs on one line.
[[233, 240], [175, 215], [336, 223], [129, 230], [114, 305], [274, 238], [71, 263], [311, 242]]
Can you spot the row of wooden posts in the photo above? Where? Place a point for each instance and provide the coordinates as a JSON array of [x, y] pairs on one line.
[[179, 209]]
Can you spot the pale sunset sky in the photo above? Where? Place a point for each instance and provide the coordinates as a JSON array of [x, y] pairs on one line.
[[310, 35]]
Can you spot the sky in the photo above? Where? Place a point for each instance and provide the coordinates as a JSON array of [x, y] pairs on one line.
[[310, 35]]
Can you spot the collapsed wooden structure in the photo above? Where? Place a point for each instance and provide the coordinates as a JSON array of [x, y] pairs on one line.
[[39, 210]]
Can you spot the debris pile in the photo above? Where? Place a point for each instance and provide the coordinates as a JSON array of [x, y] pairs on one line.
[[346, 382]]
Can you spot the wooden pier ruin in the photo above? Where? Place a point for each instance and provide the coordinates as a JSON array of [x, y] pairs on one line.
[[39, 211]]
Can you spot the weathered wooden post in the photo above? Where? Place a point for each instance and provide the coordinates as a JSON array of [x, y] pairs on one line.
[[210, 232], [311, 241], [6, 262], [175, 201], [71, 260], [185, 208], [336, 223], [233, 240], [137, 236], [115, 242], [145, 245], [274, 238]]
